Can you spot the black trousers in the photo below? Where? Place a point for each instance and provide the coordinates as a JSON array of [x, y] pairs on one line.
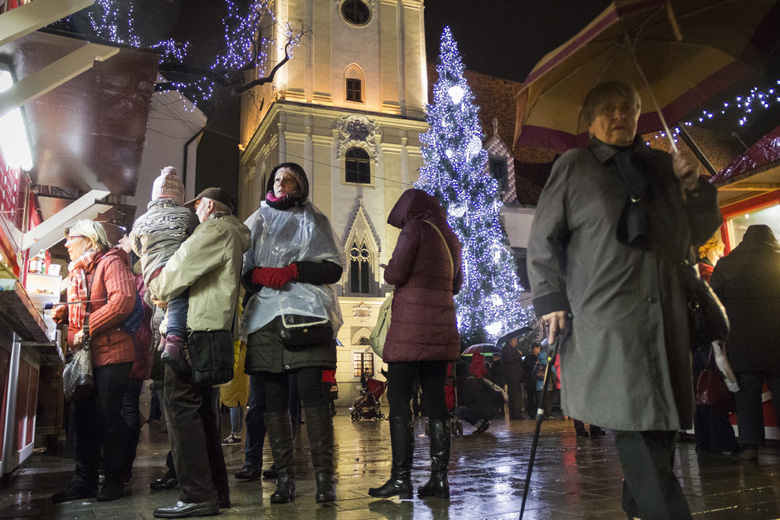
[[193, 430], [99, 426], [650, 489], [277, 388], [400, 379]]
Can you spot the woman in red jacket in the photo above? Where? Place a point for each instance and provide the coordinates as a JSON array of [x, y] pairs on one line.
[[102, 276], [423, 336]]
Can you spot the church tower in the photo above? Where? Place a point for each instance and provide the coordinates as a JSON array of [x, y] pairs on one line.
[[349, 107]]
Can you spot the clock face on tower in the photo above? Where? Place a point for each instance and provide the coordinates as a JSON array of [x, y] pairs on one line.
[[356, 12]]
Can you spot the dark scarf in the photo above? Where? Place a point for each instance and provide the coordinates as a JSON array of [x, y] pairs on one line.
[[286, 201], [633, 227]]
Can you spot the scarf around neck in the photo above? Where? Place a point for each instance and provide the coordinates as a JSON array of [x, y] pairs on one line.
[[78, 291]]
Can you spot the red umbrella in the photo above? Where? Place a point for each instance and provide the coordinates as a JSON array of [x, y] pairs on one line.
[[486, 349]]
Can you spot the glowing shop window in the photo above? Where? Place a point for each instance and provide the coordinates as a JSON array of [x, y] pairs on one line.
[[769, 216]]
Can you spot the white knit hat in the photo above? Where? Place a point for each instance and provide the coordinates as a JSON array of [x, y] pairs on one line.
[[168, 186]]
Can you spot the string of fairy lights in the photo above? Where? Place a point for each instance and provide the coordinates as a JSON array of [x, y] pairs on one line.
[[755, 100], [245, 43], [489, 302]]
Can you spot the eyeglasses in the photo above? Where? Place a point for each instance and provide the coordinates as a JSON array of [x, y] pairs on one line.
[[71, 238]]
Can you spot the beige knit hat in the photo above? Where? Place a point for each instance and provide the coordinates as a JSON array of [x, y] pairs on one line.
[[168, 186]]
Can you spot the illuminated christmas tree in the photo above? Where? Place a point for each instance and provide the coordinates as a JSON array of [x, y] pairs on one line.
[[454, 171]]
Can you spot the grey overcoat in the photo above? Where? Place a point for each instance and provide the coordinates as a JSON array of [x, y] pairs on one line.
[[626, 364]]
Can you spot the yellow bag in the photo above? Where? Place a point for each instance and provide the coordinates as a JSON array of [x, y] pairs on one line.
[[379, 334]]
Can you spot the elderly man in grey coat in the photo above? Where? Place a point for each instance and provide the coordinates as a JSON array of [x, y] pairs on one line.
[[612, 224]]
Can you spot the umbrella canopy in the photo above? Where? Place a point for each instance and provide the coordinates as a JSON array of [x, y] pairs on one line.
[[688, 51], [486, 349], [526, 336]]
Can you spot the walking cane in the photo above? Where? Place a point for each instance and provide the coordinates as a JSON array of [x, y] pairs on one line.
[[552, 352]]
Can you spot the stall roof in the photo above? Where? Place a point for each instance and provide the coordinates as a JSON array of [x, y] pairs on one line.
[[89, 132], [755, 172]]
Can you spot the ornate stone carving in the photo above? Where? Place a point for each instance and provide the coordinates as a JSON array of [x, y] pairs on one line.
[[357, 130], [361, 312]]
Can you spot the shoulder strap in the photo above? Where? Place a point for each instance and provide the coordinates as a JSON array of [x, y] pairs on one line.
[[449, 253]]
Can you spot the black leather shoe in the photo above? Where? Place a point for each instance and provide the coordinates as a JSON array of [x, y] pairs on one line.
[[164, 483], [112, 490], [74, 491], [271, 473], [285, 489], [248, 473], [184, 509], [583, 433]]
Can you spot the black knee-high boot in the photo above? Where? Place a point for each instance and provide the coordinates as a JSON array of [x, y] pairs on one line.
[[319, 426], [280, 437], [402, 444], [439, 435]]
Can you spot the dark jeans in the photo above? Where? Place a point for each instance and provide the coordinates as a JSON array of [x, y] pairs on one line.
[[531, 404], [132, 419], [99, 426], [712, 429], [177, 315], [750, 408], [400, 377], [155, 406], [466, 414], [650, 489], [193, 430], [255, 423], [277, 388], [549, 397]]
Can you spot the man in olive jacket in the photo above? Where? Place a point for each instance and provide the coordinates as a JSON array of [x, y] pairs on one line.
[[612, 224], [208, 263]]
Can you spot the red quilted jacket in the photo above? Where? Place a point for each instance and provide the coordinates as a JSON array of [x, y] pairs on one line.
[[110, 278], [423, 326]]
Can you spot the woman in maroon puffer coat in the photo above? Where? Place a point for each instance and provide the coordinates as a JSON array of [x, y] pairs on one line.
[[423, 336]]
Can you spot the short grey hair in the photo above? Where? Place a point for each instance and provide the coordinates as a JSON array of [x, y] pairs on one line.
[[92, 230], [604, 91], [219, 207]]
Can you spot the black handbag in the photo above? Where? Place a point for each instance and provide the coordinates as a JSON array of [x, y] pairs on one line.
[[707, 319], [301, 331], [210, 355]]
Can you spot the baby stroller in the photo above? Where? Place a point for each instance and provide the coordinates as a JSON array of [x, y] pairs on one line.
[[366, 406]]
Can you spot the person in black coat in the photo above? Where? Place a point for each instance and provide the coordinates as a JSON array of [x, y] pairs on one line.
[[480, 401], [515, 376], [747, 281], [529, 364]]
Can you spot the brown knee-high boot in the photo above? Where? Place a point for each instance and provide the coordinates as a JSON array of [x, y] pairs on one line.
[[319, 426], [280, 437]]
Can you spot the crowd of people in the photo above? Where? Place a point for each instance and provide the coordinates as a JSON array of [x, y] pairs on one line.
[[613, 222]]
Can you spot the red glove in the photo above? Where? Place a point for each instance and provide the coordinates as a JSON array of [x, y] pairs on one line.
[[275, 277]]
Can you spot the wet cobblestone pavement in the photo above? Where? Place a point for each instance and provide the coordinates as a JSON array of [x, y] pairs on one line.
[[574, 478]]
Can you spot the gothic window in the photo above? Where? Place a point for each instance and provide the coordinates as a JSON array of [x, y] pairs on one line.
[[356, 12], [359, 269], [354, 90], [498, 170], [358, 166]]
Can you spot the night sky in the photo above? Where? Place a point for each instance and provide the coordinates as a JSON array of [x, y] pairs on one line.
[[506, 38]]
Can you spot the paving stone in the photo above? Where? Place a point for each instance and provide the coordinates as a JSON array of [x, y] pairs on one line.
[[574, 478]]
